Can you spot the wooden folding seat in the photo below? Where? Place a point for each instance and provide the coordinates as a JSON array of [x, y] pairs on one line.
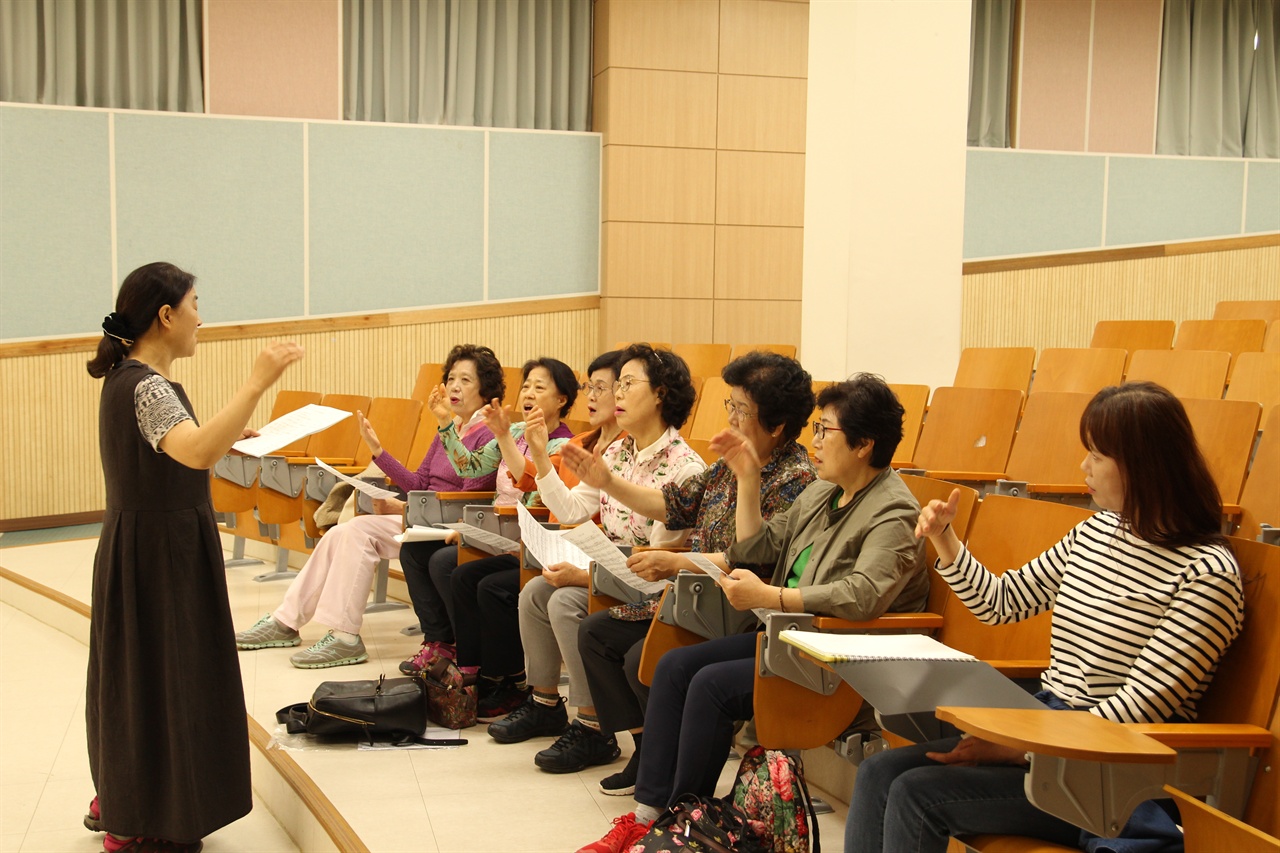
[[995, 367], [429, 376], [1257, 378], [515, 381], [1133, 335], [698, 383], [968, 430], [1233, 336], [739, 350], [915, 401], [1083, 369], [705, 360], [1046, 454], [621, 345], [702, 447], [710, 416], [1252, 309], [1225, 431], [1272, 341], [1206, 829], [1186, 373], [1260, 497]]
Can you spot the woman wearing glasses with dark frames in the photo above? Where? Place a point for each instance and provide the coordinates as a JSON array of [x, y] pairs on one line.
[[845, 548]]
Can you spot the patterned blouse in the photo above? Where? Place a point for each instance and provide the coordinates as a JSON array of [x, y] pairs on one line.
[[706, 503], [477, 463], [158, 409]]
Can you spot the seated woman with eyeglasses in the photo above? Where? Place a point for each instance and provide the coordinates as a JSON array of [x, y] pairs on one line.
[[770, 398], [845, 548], [652, 399]]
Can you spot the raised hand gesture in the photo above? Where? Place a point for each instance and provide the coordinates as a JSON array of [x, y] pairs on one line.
[[738, 453], [936, 516], [496, 417], [438, 403], [366, 432], [272, 361], [589, 466]]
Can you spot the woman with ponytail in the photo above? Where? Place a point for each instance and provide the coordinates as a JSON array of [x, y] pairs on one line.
[[168, 743]]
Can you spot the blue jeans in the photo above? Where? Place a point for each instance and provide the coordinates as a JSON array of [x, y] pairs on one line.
[[903, 801]]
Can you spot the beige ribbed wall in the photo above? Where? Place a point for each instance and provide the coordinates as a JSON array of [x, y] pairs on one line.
[[49, 405], [1058, 306]]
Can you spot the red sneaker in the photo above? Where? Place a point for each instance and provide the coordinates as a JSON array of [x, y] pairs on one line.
[[93, 820], [626, 831]]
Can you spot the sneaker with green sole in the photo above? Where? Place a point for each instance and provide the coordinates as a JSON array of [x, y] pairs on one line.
[[330, 651], [267, 633]]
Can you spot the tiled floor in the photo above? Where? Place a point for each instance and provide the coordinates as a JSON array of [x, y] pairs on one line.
[[481, 797]]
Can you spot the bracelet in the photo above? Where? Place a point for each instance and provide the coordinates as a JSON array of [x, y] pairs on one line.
[[781, 606]]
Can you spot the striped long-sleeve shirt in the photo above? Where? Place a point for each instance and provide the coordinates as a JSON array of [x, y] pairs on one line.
[[1137, 629]]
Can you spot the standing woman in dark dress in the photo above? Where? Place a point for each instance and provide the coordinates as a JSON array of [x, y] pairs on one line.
[[168, 741]]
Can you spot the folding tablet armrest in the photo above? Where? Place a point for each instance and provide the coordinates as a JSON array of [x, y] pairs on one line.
[[924, 621], [1014, 669], [965, 476], [465, 497], [1205, 735]]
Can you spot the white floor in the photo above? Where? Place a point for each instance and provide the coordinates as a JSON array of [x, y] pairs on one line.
[[481, 797]]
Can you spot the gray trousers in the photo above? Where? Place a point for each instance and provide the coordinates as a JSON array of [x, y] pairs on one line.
[[549, 618]]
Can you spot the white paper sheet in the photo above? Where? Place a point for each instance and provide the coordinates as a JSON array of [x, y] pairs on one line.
[[715, 573], [482, 539], [290, 427], [421, 534], [597, 546], [548, 547], [360, 485]]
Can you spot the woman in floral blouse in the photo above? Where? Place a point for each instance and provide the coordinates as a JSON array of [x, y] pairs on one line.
[[653, 397]]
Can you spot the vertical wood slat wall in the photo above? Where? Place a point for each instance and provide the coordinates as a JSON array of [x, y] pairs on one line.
[[702, 107], [49, 404]]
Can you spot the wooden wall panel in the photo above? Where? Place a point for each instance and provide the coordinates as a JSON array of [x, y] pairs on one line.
[[659, 184], [1058, 306], [759, 188], [664, 108], [759, 262], [659, 260], [674, 321], [761, 113], [49, 404], [757, 321], [671, 35], [764, 37]]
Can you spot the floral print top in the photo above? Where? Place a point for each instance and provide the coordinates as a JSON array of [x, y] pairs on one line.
[[477, 463]]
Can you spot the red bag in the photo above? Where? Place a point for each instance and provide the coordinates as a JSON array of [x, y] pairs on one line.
[[451, 696]]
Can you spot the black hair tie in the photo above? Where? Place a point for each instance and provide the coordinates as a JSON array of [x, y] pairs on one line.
[[113, 325]]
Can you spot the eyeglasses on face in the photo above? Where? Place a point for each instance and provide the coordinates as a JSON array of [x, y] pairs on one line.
[[820, 430], [599, 389], [734, 409], [624, 385]]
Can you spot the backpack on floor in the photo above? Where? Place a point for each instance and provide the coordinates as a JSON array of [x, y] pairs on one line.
[[770, 791]]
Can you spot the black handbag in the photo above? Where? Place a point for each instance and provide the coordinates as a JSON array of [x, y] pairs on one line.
[[696, 824], [388, 706]]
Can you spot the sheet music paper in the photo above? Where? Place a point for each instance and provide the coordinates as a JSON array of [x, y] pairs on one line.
[[477, 537], [290, 427], [597, 546], [715, 573], [548, 547], [416, 533], [360, 485]]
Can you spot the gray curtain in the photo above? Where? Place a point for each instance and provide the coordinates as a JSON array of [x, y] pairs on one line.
[[486, 63], [1218, 92], [127, 54], [990, 67]]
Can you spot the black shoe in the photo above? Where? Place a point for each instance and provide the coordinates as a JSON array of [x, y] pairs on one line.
[[577, 749], [499, 701], [623, 782], [531, 719]]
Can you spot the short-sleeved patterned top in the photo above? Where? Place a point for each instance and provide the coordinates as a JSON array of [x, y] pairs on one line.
[[476, 463], [158, 409]]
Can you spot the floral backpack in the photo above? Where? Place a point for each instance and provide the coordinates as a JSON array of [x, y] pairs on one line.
[[770, 790]]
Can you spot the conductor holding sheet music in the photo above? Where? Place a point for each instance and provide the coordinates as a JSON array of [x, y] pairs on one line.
[[1146, 596]]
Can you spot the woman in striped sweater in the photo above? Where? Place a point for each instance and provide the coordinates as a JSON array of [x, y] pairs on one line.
[[1146, 597]]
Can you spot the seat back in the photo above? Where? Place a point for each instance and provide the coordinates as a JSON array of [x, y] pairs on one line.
[[1257, 378], [286, 402], [1083, 369], [1047, 448], [429, 376], [579, 418], [1186, 373], [914, 400], [1233, 336], [1133, 335], [739, 350], [515, 380], [968, 429], [1252, 309], [927, 489], [422, 438], [1006, 533], [1260, 497], [710, 416], [1225, 430], [705, 360], [395, 420], [339, 441], [1272, 341], [1206, 828], [995, 367]]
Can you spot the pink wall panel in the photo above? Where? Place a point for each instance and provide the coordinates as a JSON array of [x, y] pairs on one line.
[[1055, 73], [1126, 72], [278, 58]]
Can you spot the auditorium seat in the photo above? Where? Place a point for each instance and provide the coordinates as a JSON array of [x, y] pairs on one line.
[[1133, 335], [1082, 369], [1233, 336], [968, 429], [1225, 431], [1257, 378], [995, 367], [1260, 497], [705, 360], [1252, 309], [1186, 373]]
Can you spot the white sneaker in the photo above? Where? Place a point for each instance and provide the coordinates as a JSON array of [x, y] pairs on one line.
[[267, 633], [330, 651]]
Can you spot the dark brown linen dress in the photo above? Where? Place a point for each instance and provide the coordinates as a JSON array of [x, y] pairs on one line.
[[168, 741]]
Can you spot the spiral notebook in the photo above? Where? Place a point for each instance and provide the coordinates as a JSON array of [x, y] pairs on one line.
[[866, 647]]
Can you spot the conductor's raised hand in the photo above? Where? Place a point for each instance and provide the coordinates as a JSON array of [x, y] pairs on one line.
[[273, 360], [366, 432], [936, 515], [535, 432], [737, 451], [587, 465], [438, 403], [496, 417]]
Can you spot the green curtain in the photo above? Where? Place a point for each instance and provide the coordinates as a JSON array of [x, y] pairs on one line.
[[990, 67], [1218, 79], [126, 54], [485, 63]]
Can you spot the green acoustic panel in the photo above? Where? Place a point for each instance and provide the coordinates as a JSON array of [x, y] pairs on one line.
[[544, 214], [221, 198], [55, 222], [1159, 199], [1018, 203], [397, 217], [1263, 203]]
